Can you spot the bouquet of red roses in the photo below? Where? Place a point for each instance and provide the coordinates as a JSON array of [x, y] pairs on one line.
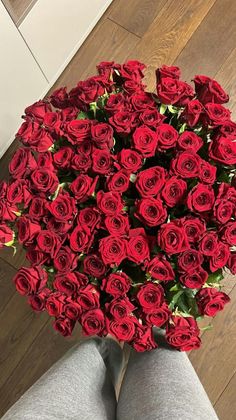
[[125, 203]]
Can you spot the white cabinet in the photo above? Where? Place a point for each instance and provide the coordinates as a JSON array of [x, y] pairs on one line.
[[35, 49]]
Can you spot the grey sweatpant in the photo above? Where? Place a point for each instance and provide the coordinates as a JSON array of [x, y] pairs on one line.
[[159, 385]]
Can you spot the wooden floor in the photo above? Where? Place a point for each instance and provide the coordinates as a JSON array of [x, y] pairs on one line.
[[200, 37]]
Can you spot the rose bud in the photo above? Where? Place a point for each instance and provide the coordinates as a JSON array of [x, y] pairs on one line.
[[94, 266], [150, 296], [145, 141], [116, 284], [117, 225], [123, 329], [201, 198], [159, 317], [209, 90], [101, 161], [220, 258], [189, 141], [209, 244], [30, 280], [93, 322], [194, 279], [37, 301], [150, 211], [174, 191], [183, 333], [120, 307], [172, 238], [150, 181], [72, 309], [109, 203], [55, 304], [113, 250], [137, 246], [143, 339], [190, 260], [194, 228], [64, 326], [83, 187], [160, 269], [186, 164], [130, 160], [210, 301], [88, 297], [166, 137]]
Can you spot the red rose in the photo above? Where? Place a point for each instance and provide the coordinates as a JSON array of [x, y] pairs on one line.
[[209, 243], [130, 160], [137, 246], [81, 161], [55, 304], [223, 210], [183, 333], [220, 258], [38, 300], [44, 180], [227, 192], [120, 307], [192, 112], [150, 211], [66, 283], [229, 233], [102, 135], [65, 260], [63, 207], [58, 227], [101, 161], [116, 284], [117, 225], [207, 172], [166, 137], [59, 98], [119, 181], [6, 235], [115, 103], [215, 115], [30, 280], [62, 158], [89, 218], [194, 228], [151, 118], [123, 121], [113, 250], [150, 297], [77, 131], [201, 198], [159, 317], [45, 160], [173, 91], [223, 149], [19, 192], [88, 297], [195, 279], [38, 110], [64, 326], [172, 238], [143, 341], [69, 113], [231, 264], [174, 191], [186, 164], [209, 90], [86, 91], [53, 122], [167, 71], [109, 202], [8, 211], [150, 181], [105, 68], [83, 187], [160, 269], [123, 329], [210, 301], [190, 260], [36, 257], [93, 322], [188, 140], [93, 265], [145, 141], [40, 140], [81, 239], [48, 242], [133, 70], [22, 163], [142, 101], [27, 230], [72, 309], [228, 129]]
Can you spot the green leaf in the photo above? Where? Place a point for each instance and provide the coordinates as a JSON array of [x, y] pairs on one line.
[[82, 115], [175, 288], [172, 109], [163, 109], [215, 277], [175, 299], [182, 128]]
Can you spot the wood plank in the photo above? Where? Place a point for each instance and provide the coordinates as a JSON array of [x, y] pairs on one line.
[[215, 360], [227, 77], [169, 33], [135, 15], [226, 405], [7, 288], [107, 41], [16, 260], [47, 348], [19, 327], [211, 43]]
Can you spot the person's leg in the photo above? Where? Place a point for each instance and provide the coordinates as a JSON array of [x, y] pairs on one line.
[[162, 385], [79, 386]]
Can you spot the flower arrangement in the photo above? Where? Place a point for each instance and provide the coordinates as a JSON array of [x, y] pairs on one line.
[[125, 203]]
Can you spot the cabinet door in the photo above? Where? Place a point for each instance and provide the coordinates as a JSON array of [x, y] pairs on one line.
[[21, 80], [55, 29]]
